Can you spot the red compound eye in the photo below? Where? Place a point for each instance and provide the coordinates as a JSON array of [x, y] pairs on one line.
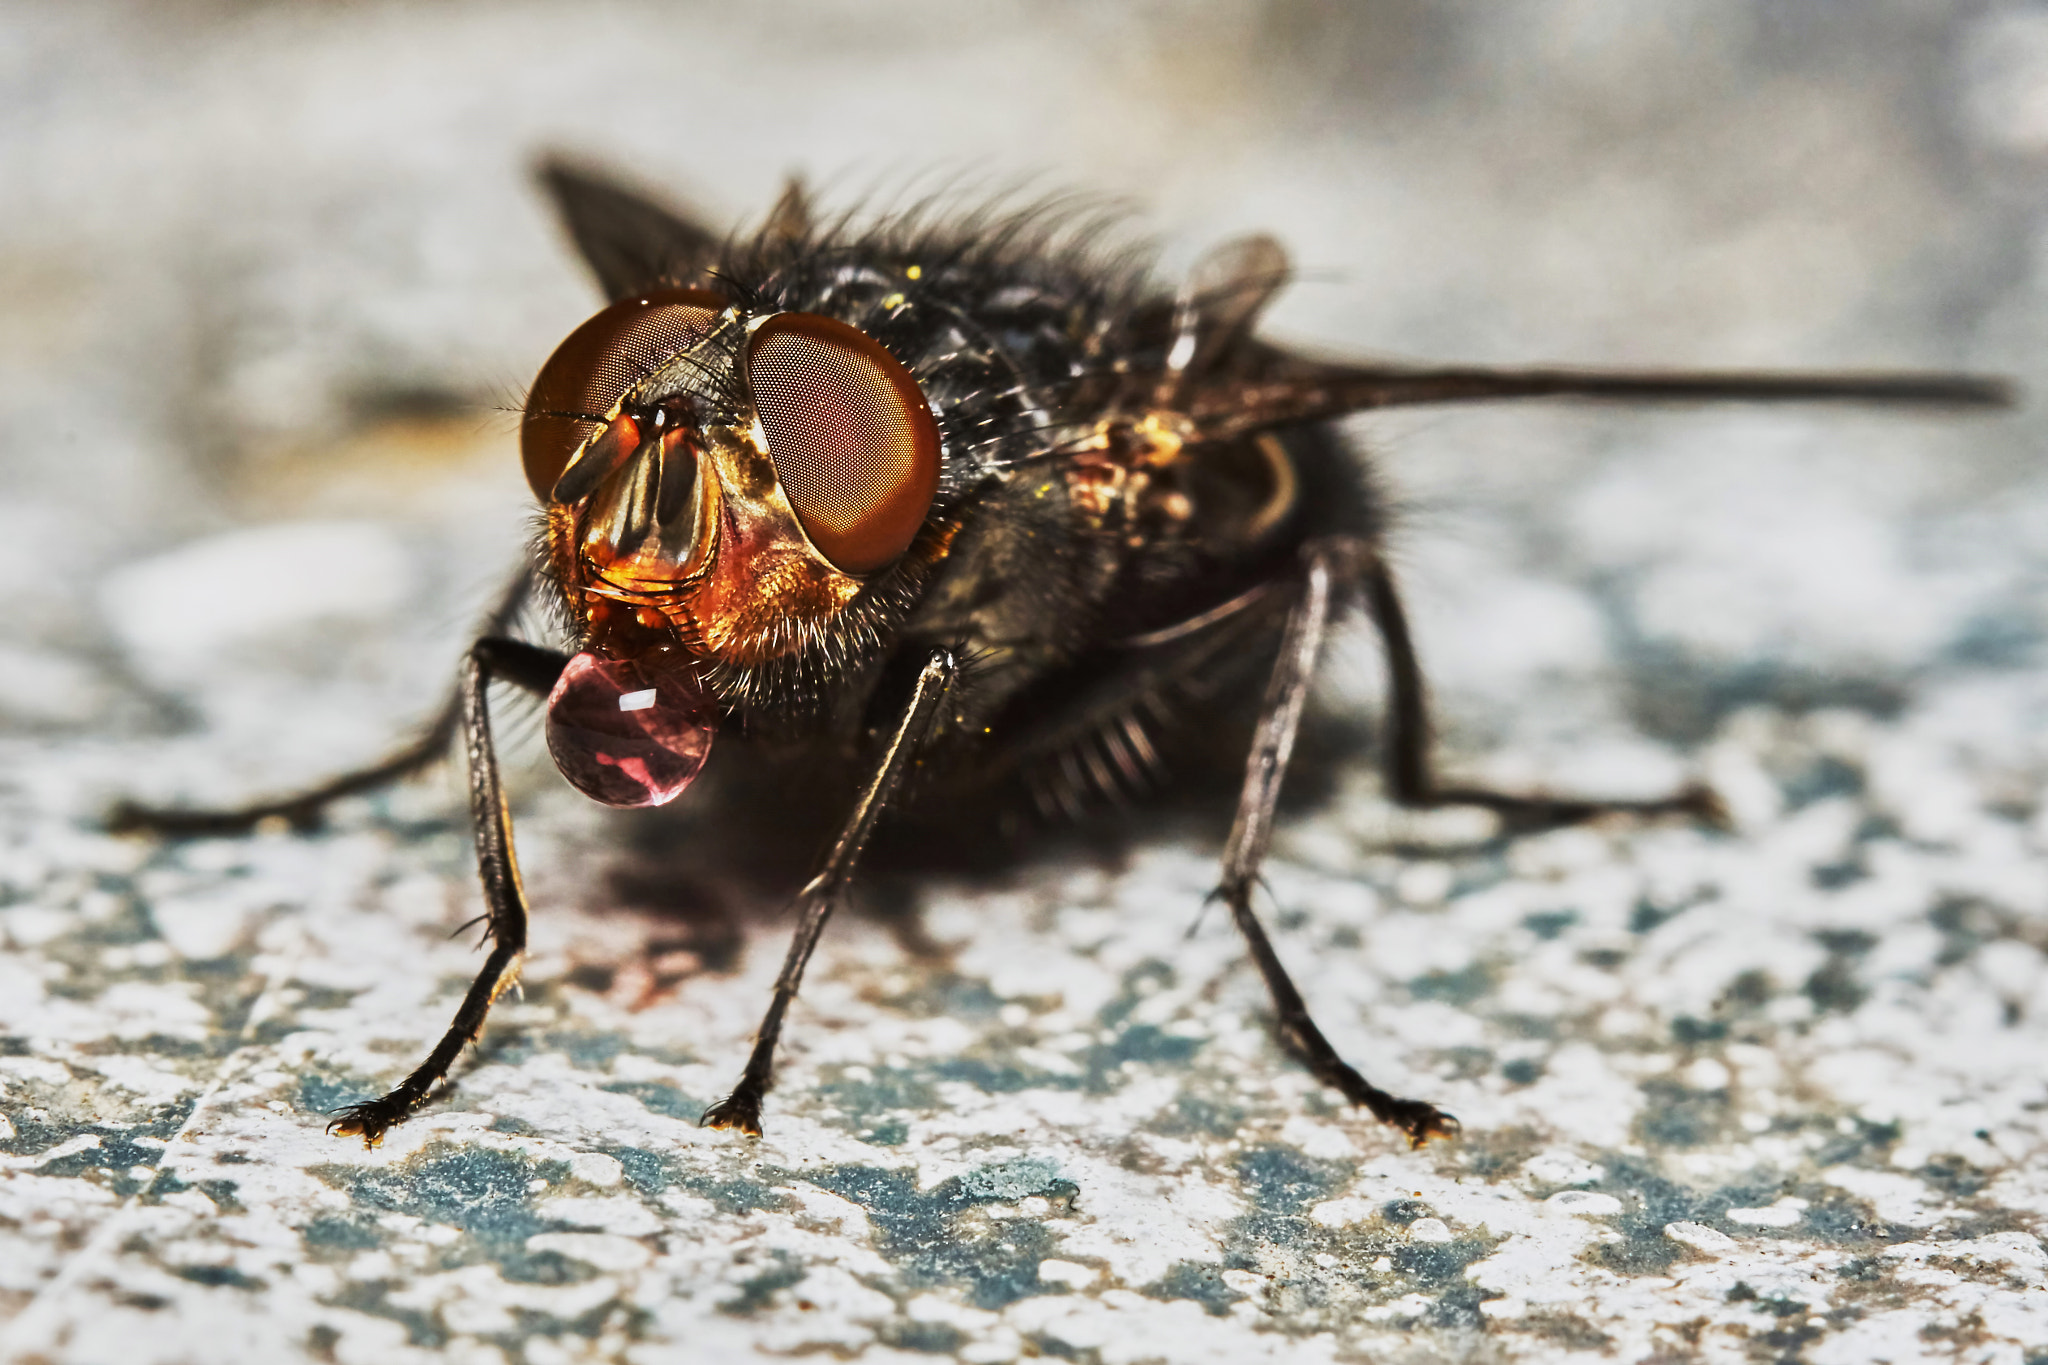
[[850, 434], [588, 373]]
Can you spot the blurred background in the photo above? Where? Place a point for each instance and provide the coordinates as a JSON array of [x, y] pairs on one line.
[[282, 266]]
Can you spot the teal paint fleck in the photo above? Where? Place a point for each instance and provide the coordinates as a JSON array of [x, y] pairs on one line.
[[923, 1235], [660, 1098], [1013, 1180], [477, 1189], [1461, 987], [340, 1235], [1197, 1281], [757, 1291], [217, 1276]]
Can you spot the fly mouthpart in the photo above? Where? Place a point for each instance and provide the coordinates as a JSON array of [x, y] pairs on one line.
[[633, 517], [617, 443], [677, 479], [648, 509]]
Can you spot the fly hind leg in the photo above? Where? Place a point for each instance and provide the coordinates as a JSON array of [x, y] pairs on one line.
[[1410, 772], [1329, 565]]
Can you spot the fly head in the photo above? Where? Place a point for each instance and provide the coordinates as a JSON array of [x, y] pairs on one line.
[[723, 484]]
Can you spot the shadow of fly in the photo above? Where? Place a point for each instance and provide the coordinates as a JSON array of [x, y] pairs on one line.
[[948, 509]]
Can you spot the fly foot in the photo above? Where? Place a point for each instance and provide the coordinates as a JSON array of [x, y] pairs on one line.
[[741, 1110], [370, 1120]]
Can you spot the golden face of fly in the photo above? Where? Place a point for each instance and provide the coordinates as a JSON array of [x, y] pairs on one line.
[[732, 573], [719, 487]]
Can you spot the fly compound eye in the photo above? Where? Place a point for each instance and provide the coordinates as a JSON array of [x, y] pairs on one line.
[[588, 373], [851, 436]]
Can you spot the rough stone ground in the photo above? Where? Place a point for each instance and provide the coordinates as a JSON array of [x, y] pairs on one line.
[[1766, 1094]]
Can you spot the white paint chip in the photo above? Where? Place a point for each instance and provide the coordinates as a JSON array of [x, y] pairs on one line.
[[1707, 1074], [597, 1168], [1562, 1168], [1700, 1238], [1782, 1214], [1342, 1213]]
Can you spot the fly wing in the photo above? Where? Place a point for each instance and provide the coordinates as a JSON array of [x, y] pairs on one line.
[[1273, 388], [1231, 384], [1220, 303], [792, 217], [629, 241]]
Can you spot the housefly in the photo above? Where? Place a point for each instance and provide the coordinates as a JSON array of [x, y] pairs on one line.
[[947, 512]]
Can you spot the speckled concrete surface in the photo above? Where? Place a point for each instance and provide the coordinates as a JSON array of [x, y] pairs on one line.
[[1767, 1094]]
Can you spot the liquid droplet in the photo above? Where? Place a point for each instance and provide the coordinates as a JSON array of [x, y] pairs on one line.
[[626, 735]]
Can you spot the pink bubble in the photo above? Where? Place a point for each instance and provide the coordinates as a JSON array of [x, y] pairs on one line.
[[628, 736]]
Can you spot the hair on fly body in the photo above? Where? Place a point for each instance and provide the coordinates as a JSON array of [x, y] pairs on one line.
[[954, 513]]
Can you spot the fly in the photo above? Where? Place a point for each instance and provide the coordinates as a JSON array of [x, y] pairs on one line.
[[956, 510]]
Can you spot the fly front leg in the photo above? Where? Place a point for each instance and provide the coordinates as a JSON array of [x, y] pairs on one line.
[[304, 809], [1251, 834], [504, 899], [1411, 774], [815, 903]]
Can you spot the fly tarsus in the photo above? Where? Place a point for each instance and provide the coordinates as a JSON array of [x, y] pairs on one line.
[[304, 810], [1521, 814], [741, 1110], [1702, 803], [1302, 1040], [131, 817], [372, 1119], [1422, 1121], [1419, 1119]]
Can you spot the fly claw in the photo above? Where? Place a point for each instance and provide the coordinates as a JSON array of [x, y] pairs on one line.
[[791, 482], [370, 1121]]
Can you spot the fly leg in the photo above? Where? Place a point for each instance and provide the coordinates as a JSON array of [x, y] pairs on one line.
[[815, 903], [1251, 833], [504, 899], [303, 809], [1411, 777]]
